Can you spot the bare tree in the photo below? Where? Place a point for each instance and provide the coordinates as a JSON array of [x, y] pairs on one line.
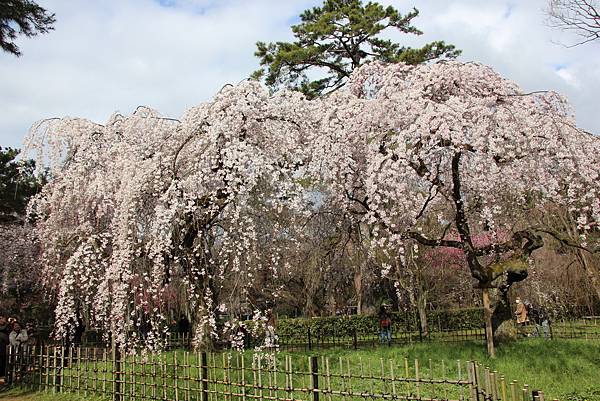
[[581, 17]]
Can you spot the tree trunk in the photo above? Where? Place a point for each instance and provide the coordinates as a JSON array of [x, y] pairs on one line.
[[590, 270], [358, 289], [422, 308], [489, 333], [502, 317]]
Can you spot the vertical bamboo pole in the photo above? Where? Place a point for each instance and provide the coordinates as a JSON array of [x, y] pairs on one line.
[[289, 384], [133, 368], [243, 381], [328, 377], [104, 367], [444, 379], [254, 378], [144, 376], [78, 370], [313, 366], [370, 370], [513, 390], [406, 376], [214, 374], [487, 382], [164, 375], [204, 370], [431, 376], [393, 379], [418, 380], [225, 379], [96, 375], [55, 373], [275, 362], [113, 372], [175, 376], [189, 375], [471, 380], [503, 388], [42, 367], [153, 380], [86, 358], [362, 369], [477, 379], [494, 387], [350, 390], [260, 384], [48, 368], [341, 371]]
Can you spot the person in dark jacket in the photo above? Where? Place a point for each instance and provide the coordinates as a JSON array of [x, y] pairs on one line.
[[385, 326], [4, 333], [183, 325], [541, 320]]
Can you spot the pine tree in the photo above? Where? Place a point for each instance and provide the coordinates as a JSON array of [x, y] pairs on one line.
[[22, 17], [337, 38]]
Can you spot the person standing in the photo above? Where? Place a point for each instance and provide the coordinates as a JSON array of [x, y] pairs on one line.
[[183, 325], [521, 313], [4, 341], [385, 326], [541, 320], [18, 336], [271, 324]]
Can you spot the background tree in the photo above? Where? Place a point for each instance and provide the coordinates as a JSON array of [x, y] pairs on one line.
[[18, 182], [335, 39], [456, 147], [22, 17], [581, 17], [21, 289], [20, 264]]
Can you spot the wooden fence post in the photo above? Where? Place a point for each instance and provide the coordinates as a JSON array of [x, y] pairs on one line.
[[354, 339], [314, 371], [309, 340], [204, 376], [56, 372], [117, 396]]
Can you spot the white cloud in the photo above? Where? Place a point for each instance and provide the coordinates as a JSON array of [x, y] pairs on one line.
[[567, 76], [171, 54]]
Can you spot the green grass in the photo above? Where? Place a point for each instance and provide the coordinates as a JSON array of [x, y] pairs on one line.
[[563, 369], [17, 394]]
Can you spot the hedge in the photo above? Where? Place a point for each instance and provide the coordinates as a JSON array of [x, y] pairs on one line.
[[340, 326]]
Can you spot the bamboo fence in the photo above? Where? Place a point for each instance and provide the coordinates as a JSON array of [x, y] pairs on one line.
[[190, 376]]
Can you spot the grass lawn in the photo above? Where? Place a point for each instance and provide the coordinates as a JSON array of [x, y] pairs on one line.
[[28, 395], [563, 369]]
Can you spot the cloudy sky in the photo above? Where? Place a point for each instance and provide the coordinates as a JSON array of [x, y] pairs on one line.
[[113, 55]]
